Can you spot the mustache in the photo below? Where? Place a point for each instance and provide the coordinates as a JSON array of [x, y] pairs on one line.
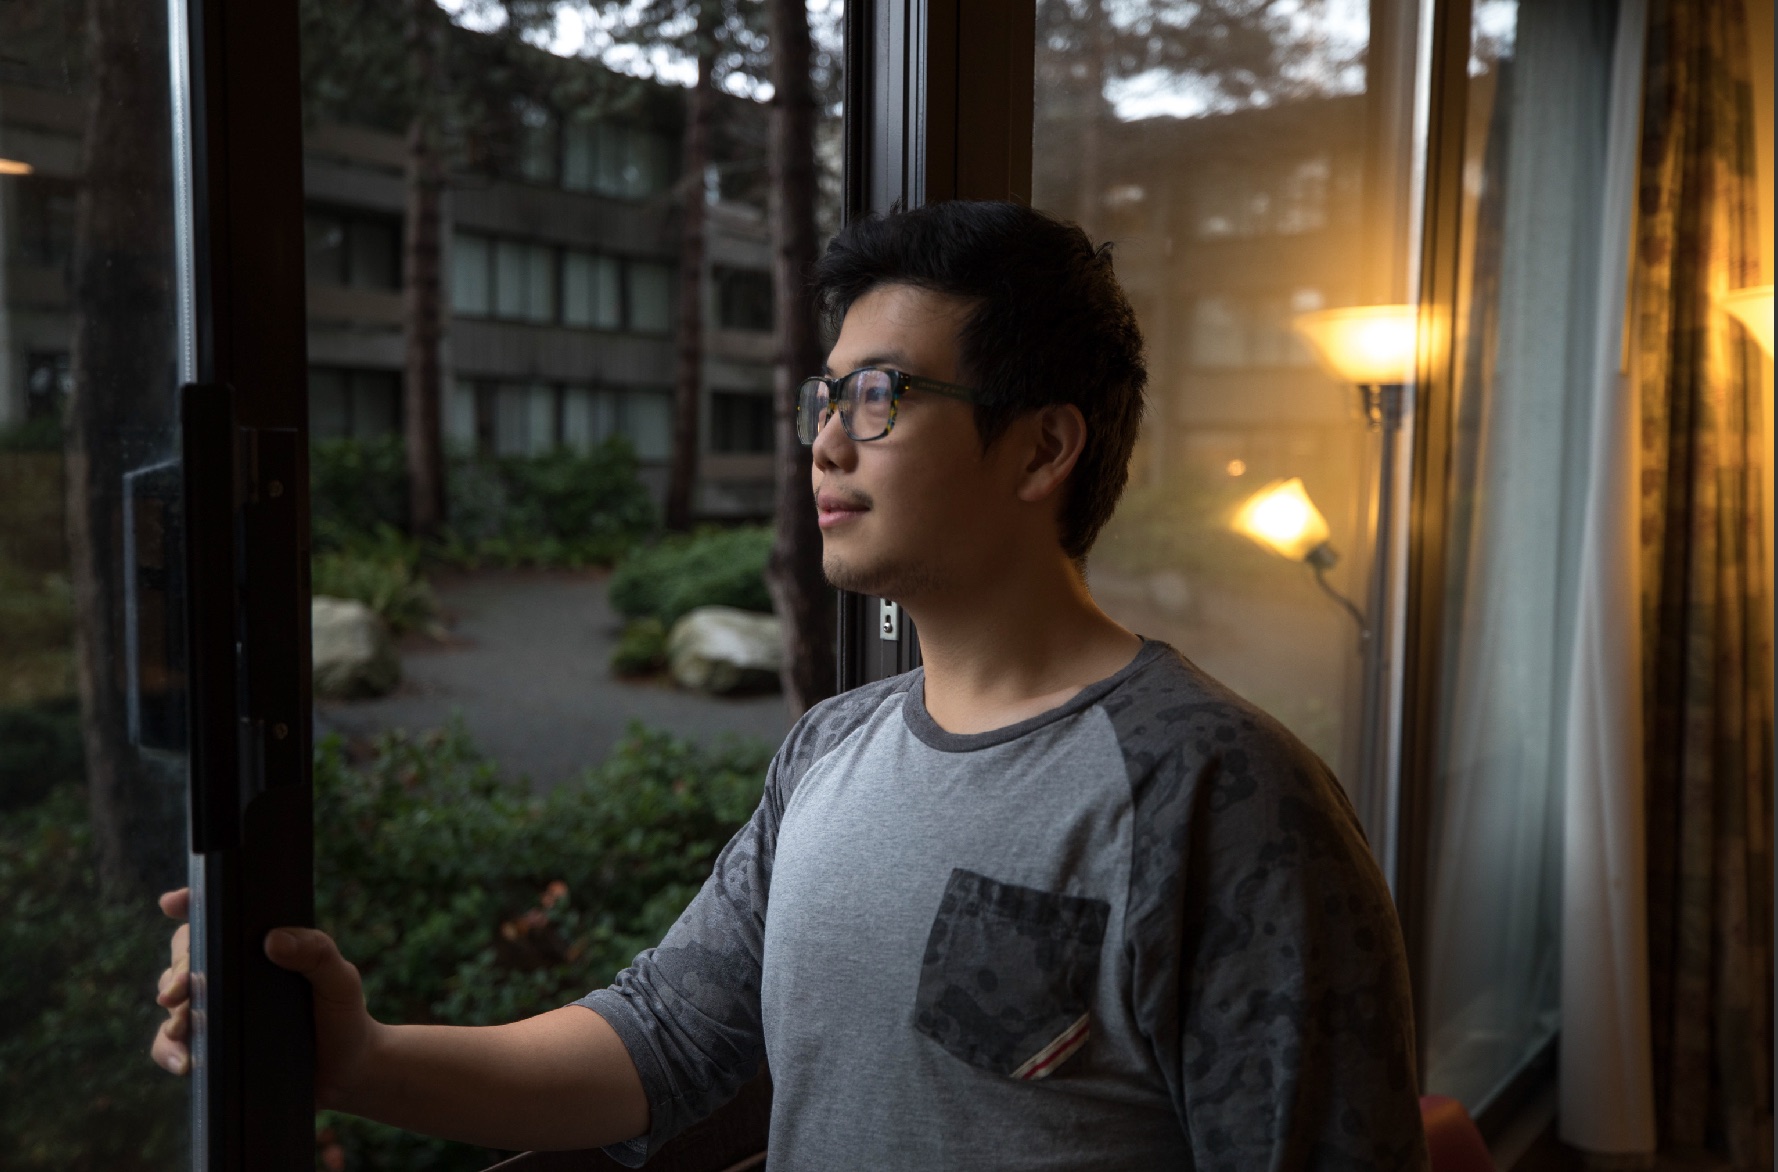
[[847, 497]]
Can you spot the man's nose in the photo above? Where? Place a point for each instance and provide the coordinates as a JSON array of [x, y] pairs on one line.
[[833, 448]]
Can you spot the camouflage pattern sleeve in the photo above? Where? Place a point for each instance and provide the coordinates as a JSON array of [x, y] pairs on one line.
[[1269, 971]]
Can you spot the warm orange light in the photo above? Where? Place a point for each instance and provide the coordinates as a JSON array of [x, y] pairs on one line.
[[15, 167], [1282, 518], [1752, 307], [1371, 345], [1237, 468]]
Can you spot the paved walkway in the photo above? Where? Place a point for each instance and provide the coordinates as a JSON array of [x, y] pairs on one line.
[[526, 665]]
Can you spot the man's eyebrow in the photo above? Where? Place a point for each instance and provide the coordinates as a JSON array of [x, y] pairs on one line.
[[890, 358]]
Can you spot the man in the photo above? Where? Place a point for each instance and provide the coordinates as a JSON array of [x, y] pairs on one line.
[[1055, 900]]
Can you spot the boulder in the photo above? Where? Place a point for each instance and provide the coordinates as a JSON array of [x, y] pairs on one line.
[[354, 653], [719, 649]]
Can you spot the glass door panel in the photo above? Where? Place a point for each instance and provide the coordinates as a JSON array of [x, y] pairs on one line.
[[92, 673], [1246, 174]]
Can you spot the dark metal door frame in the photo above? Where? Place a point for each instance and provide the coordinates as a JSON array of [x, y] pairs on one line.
[[245, 416]]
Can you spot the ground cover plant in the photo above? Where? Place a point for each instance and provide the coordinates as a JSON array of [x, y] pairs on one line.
[[656, 585], [463, 897]]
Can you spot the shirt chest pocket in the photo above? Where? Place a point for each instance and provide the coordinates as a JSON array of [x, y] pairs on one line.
[[1007, 981]]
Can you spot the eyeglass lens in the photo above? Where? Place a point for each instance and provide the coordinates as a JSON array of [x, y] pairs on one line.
[[866, 399]]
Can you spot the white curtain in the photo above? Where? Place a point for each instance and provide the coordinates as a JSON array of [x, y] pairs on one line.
[[1525, 472], [1607, 1079]]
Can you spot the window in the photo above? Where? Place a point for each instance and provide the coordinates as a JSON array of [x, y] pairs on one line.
[[524, 281], [743, 299], [49, 378], [589, 417], [616, 159], [471, 292], [360, 404], [44, 221], [535, 143], [353, 250], [1231, 331], [741, 421], [651, 297], [646, 419], [592, 291]]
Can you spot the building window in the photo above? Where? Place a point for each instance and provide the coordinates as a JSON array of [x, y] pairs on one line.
[[743, 299], [1231, 331], [44, 221], [741, 422], [353, 250], [535, 153], [592, 291], [49, 378], [615, 159], [356, 404], [520, 280], [646, 418], [651, 297], [471, 291]]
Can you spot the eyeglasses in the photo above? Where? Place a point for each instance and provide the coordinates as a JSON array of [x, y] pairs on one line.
[[866, 401]]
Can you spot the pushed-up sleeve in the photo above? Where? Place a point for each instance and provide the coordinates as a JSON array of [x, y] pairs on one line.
[[1269, 971], [688, 1009]]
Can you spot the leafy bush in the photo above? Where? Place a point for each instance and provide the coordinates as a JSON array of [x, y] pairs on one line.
[[462, 897], [382, 573], [43, 434], [77, 1092], [40, 748], [561, 508], [641, 649], [356, 488], [712, 567]]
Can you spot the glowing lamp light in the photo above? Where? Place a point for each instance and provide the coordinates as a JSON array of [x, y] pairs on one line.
[[15, 167], [1752, 307], [1282, 518], [1371, 345]]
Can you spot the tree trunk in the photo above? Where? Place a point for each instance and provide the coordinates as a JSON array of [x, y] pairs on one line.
[[421, 308], [122, 416], [682, 473], [800, 593]]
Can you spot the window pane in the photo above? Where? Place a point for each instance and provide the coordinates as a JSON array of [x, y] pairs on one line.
[[651, 300], [577, 156], [325, 238], [591, 291], [512, 278], [536, 143], [376, 403], [540, 282], [740, 422], [512, 421], [330, 411], [375, 254], [460, 416], [469, 275], [648, 422], [743, 299], [540, 422], [1221, 149]]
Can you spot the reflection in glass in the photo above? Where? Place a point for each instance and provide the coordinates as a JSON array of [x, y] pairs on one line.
[[1242, 161], [92, 717]]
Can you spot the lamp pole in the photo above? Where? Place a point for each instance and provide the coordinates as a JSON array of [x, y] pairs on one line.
[[1385, 407]]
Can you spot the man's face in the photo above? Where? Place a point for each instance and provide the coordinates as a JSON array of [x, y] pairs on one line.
[[923, 508]]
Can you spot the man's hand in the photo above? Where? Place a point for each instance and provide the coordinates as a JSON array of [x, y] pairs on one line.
[[344, 1029], [170, 1048]]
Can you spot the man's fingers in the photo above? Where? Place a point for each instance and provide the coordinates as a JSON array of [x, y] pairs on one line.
[[169, 1050], [175, 986], [180, 948], [177, 904], [314, 954]]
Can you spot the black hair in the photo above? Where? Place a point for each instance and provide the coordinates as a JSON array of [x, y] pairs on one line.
[[1050, 325]]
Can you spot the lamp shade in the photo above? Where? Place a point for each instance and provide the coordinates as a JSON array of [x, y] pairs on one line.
[[1372, 345], [1752, 307], [1282, 518]]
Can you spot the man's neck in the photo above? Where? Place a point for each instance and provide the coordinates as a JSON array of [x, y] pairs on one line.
[[1029, 644]]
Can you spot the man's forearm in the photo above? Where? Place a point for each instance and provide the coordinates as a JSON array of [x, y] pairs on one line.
[[559, 1081]]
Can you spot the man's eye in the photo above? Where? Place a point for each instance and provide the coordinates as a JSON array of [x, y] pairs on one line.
[[876, 395]]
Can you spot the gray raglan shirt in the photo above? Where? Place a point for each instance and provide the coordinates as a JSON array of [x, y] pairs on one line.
[[1141, 930]]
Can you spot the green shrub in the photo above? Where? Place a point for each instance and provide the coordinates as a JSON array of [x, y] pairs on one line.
[[383, 574], [40, 748], [641, 649], [462, 897], [712, 567], [556, 509], [77, 1092], [43, 434], [356, 487]]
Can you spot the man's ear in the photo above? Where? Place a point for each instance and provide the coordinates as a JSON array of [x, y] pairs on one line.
[[1058, 434]]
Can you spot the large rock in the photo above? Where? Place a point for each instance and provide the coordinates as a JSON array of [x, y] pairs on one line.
[[354, 653], [720, 649]]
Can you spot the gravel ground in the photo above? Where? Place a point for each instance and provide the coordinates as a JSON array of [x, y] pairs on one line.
[[525, 664]]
